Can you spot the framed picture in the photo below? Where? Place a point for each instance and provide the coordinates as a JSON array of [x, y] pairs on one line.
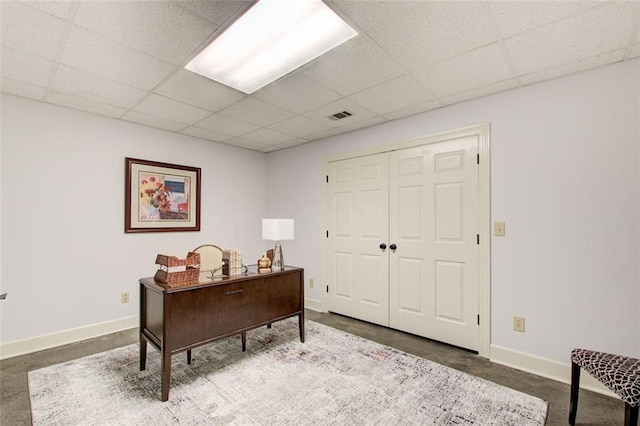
[[161, 197]]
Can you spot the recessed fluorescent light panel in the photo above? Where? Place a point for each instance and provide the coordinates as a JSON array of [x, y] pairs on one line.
[[271, 39]]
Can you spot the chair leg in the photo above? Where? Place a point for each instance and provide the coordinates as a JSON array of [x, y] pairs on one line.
[[630, 415], [575, 388]]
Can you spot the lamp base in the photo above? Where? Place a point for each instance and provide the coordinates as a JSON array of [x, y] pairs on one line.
[[278, 260]]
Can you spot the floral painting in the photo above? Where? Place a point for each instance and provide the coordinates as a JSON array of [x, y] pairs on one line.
[[161, 197]]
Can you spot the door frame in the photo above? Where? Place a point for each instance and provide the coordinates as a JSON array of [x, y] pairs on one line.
[[482, 132]]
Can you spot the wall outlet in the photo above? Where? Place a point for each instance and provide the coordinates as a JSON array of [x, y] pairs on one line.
[[311, 283], [124, 297], [518, 324]]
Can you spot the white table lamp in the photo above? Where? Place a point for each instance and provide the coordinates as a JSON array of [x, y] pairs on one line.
[[277, 230]]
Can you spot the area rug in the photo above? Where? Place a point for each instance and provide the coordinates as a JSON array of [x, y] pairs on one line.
[[335, 378]]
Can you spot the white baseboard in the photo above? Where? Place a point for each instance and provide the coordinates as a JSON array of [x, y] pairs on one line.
[[34, 344], [313, 304], [545, 367]]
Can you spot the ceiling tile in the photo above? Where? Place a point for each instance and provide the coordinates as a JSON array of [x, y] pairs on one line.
[[205, 134], [194, 89], [30, 30], [393, 95], [162, 107], [158, 28], [25, 90], [151, 121], [227, 125], [321, 115], [477, 68], [256, 111], [635, 51], [268, 136], [480, 92], [24, 67], [353, 66], [434, 31], [573, 67], [294, 142], [82, 84], [325, 134], [85, 103], [368, 14], [95, 54], [407, 112], [593, 32], [516, 17], [246, 143], [270, 148], [300, 126], [59, 8], [218, 11], [296, 93], [362, 124]]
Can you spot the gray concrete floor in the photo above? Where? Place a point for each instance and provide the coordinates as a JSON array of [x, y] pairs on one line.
[[594, 409]]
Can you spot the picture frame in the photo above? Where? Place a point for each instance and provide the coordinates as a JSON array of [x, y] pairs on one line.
[[161, 197]]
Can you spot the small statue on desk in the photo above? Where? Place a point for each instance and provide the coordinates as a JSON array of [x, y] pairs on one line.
[[264, 264]]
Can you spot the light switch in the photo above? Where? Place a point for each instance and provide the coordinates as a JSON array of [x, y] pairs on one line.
[[499, 229]]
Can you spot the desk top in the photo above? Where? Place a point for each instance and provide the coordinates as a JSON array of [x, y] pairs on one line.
[[218, 280]]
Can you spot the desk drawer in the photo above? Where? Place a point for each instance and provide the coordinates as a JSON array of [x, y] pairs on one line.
[[206, 313]]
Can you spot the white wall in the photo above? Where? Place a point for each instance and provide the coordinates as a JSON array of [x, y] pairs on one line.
[[564, 170], [65, 256]]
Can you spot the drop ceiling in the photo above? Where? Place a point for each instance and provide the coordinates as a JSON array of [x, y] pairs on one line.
[[125, 59]]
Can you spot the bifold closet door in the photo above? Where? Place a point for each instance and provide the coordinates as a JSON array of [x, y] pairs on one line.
[[433, 283], [358, 222]]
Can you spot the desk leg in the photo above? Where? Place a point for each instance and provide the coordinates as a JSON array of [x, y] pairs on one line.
[[301, 326], [166, 374], [143, 353], [189, 356], [244, 341]]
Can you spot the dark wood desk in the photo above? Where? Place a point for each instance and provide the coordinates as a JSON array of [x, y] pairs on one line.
[[179, 318]]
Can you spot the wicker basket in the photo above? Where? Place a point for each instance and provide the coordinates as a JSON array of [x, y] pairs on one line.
[[172, 261], [166, 276]]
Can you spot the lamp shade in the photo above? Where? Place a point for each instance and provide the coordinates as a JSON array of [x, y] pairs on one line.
[[277, 229]]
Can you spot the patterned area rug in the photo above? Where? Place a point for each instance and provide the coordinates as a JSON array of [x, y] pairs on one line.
[[333, 378]]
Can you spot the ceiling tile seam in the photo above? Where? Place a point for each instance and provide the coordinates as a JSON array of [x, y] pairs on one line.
[[599, 4], [407, 74], [231, 118], [208, 130], [500, 40], [302, 68], [21, 82], [176, 67], [157, 118], [191, 11], [633, 35], [120, 83], [214, 34], [62, 45], [564, 64]]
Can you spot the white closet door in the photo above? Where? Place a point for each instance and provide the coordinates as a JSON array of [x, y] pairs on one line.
[[358, 218], [433, 282]]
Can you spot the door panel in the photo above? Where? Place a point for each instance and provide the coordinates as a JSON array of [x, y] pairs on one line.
[[358, 223], [425, 201], [433, 222]]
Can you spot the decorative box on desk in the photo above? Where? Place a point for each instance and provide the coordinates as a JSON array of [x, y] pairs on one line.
[[167, 276], [175, 319]]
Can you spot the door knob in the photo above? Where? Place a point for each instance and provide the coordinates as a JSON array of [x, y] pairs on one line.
[[383, 246], [393, 246]]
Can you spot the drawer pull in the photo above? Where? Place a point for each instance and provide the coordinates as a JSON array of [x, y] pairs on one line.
[[229, 293]]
